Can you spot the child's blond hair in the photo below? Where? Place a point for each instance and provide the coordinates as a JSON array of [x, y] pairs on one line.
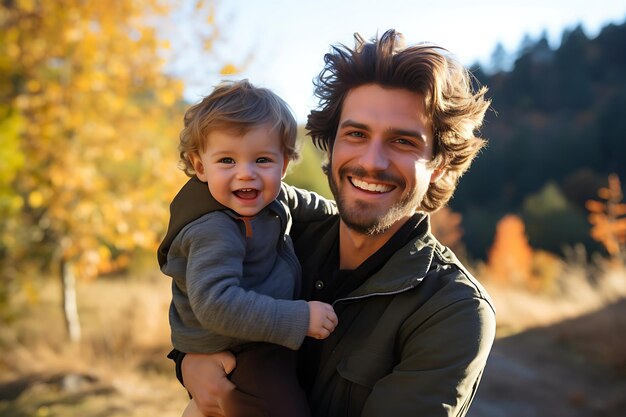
[[236, 106]]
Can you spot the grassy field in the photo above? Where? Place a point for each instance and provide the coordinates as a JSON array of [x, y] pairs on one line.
[[120, 369]]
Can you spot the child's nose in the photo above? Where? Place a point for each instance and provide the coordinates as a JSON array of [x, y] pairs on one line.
[[246, 172]]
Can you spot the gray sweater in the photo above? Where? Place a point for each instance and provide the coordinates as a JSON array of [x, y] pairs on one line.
[[228, 288]]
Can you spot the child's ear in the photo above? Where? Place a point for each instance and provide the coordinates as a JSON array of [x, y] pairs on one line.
[[198, 166], [285, 165]]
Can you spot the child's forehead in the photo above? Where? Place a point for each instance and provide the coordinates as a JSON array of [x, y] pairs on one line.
[[243, 129], [261, 136]]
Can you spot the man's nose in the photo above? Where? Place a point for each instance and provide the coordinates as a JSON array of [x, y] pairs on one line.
[[374, 156]]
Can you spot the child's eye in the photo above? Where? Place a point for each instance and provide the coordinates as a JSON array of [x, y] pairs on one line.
[[226, 161], [263, 160]]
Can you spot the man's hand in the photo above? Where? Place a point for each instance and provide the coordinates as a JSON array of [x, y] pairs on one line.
[[205, 377], [322, 320]]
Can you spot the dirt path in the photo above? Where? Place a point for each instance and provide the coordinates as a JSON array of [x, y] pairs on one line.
[[572, 369]]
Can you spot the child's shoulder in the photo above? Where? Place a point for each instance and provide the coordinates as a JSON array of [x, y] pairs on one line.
[[215, 220]]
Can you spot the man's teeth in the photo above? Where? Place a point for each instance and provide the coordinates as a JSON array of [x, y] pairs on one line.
[[379, 188]]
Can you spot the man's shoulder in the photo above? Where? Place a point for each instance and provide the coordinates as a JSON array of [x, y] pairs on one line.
[[454, 278]]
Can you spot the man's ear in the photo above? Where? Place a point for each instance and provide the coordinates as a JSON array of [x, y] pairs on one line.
[[437, 174], [198, 166], [285, 165]]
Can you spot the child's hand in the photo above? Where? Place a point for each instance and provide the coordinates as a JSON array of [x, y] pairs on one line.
[[322, 320]]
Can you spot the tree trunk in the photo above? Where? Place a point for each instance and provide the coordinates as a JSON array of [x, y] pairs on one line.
[[70, 310]]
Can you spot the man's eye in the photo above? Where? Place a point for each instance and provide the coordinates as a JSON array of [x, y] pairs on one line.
[[263, 160], [403, 141], [356, 134], [226, 161]]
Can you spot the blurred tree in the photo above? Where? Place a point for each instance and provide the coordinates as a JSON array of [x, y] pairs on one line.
[[513, 262], [307, 172], [510, 257], [608, 218], [89, 123], [500, 60], [571, 63], [582, 185], [552, 221], [610, 131], [608, 64]]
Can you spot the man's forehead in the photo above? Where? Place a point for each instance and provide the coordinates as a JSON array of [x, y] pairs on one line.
[[377, 107]]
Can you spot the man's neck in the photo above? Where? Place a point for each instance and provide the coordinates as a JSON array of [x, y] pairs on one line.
[[355, 247]]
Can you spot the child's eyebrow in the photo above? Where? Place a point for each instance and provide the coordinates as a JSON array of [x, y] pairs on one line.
[[218, 153]]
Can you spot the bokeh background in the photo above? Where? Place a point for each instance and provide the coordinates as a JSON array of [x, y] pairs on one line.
[[92, 96]]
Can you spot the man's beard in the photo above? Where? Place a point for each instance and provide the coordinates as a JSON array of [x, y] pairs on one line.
[[357, 218]]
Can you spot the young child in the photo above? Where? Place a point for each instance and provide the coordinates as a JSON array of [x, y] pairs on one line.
[[235, 275]]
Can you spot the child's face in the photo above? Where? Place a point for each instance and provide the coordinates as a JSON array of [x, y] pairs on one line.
[[243, 172]]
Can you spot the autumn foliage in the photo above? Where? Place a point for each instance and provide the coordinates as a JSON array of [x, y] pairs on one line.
[[608, 217], [510, 257], [90, 119]]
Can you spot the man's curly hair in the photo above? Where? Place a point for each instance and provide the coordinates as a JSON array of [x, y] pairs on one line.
[[455, 108]]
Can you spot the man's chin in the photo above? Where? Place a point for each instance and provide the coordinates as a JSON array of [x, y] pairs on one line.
[[368, 227]]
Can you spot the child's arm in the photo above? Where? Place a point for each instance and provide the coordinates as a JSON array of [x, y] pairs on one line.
[[215, 249]]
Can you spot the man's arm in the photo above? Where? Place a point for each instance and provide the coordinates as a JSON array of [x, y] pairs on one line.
[[442, 360], [206, 378], [306, 206]]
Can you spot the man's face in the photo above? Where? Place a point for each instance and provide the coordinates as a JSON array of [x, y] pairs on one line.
[[379, 169]]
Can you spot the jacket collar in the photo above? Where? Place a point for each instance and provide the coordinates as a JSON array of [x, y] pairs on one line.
[[405, 269]]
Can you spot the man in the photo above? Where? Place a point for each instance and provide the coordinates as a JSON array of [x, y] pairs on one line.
[[415, 328]]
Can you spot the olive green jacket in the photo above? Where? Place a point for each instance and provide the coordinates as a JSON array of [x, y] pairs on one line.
[[412, 340]]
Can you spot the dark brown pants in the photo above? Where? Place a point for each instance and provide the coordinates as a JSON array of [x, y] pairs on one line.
[[266, 382]]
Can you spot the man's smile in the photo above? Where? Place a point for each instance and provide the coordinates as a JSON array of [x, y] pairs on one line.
[[372, 187]]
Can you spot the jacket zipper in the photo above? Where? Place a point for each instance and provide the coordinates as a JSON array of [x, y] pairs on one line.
[[373, 294]]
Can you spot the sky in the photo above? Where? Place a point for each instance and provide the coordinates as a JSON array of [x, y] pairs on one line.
[[280, 44]]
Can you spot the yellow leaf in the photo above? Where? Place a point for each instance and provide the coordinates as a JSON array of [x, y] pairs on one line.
[[229, 69], [167, 97], [35, 199], [33, 86]]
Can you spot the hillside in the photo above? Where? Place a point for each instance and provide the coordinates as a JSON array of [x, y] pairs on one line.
[[556, 131]]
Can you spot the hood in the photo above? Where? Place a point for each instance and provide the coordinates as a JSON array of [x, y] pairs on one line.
[[192, 202]]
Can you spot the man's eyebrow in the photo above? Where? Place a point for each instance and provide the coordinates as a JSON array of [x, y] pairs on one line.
[[354, 124], [417, 134]]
